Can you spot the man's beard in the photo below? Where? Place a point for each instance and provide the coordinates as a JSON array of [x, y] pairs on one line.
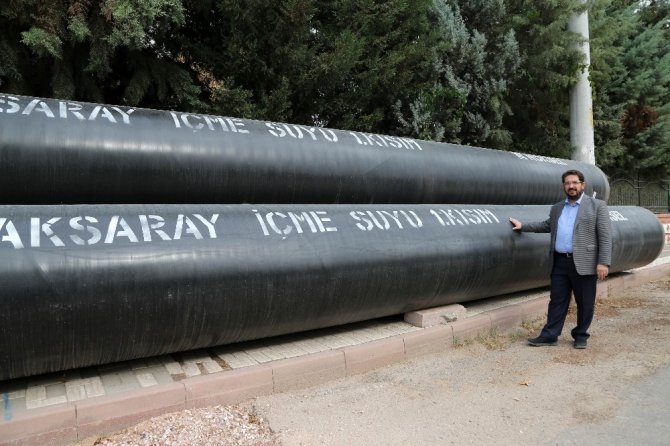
[[573, 193]]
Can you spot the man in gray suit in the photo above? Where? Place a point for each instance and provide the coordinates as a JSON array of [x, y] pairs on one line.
[[581, 250]]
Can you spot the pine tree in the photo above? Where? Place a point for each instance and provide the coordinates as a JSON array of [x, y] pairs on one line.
[[540, 96], [646, 88], [248, 55], [369, 55], [609, 29], [634, 89], [475, 57], [113, 51]]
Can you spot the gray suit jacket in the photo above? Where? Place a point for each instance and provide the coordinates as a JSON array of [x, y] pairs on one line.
[[591, 237]]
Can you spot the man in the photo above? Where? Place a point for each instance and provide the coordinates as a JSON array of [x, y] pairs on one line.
[[581, 250]]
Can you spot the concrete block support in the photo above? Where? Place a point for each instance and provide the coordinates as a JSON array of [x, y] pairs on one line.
[[435, 316]]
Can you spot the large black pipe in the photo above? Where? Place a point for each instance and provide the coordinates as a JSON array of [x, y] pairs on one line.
[[55, 152], [87, 285]]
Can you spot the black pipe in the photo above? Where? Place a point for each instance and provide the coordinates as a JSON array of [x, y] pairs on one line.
[[88, 285], [54, 152]]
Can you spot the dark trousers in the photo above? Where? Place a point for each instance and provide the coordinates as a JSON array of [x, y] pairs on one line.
[[564, 281]]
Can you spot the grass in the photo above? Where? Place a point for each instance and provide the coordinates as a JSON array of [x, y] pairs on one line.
[[495, 339], [462, 342]]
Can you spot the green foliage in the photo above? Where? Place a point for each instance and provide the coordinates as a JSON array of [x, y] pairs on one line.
[[42, 43], [632, 75], [609, 29], [474, 58], [249, 57], [368, 55], [539, 98], [78, 28], [136, 23], [111, 51]]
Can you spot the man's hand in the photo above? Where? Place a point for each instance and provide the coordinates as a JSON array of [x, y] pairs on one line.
[[516, 224], [602, 271]]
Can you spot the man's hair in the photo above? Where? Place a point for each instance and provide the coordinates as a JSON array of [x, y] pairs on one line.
[[573, 172]]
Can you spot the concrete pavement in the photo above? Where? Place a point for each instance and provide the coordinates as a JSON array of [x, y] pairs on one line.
[[642, 420]]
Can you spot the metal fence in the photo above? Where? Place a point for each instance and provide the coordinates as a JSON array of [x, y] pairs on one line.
[[653, 195]]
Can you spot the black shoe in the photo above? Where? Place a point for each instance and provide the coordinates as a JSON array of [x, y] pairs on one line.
[[580, 343], [540, 341]]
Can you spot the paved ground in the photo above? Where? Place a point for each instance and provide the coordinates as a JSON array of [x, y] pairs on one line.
[[642, 418], [497, 390]]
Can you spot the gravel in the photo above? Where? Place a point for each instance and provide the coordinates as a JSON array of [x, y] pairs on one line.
[[218, 425]]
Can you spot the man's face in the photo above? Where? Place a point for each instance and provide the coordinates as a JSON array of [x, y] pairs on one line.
[[573, 187]]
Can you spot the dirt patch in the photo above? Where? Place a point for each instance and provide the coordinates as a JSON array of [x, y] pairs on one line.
[[612, 306]]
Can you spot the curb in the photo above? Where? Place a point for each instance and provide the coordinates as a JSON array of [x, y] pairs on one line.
[[74, 421]]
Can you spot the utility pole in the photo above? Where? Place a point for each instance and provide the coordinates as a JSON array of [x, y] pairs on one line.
[[581, 104]]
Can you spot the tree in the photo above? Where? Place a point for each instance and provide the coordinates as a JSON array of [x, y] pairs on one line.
[[248, 56], [340, 63], [369, 55], [634, 87], [475, 58], [116, 51], [539, 98], [609, 29]]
